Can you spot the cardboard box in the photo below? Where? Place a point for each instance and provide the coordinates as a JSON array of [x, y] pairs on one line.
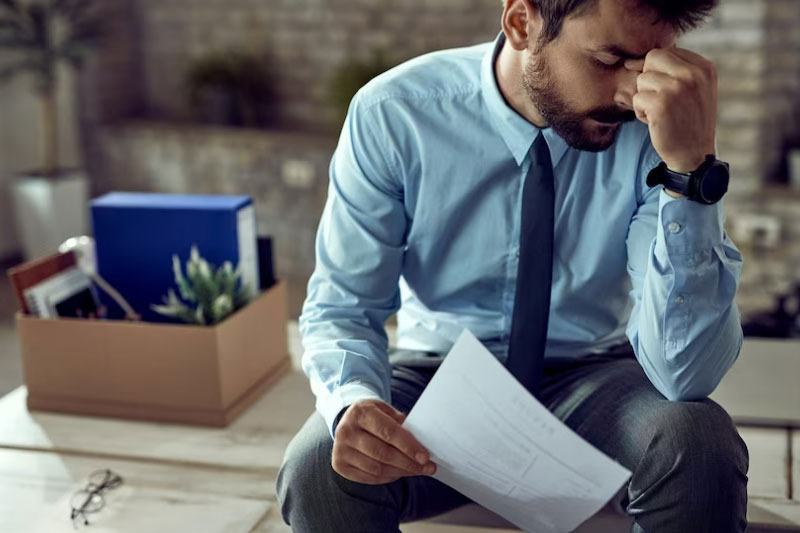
[[161, 372]]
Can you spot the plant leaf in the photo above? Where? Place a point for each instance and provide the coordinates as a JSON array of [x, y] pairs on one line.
[[175, 308], [11, 24], [9, 4], [221, 308], [75, 9], [212, 291], [199, 316], [183, 286], [40, 23], [10, 71]]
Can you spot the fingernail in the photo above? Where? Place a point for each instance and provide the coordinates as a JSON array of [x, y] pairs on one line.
[[429, 469], [421, 459]]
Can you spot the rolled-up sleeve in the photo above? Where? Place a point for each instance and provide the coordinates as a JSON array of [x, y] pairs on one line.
[[685, 327], [359, 255]]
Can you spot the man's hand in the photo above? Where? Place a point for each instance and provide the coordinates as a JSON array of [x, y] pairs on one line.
[[677, 98], [371, 446]]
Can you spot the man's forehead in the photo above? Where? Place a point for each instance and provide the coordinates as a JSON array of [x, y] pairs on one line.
[[621, 29]]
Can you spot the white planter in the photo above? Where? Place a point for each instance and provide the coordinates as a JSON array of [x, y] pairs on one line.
[[49, 211]]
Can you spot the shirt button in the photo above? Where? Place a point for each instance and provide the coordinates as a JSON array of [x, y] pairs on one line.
[[674, 227], [679, 299]]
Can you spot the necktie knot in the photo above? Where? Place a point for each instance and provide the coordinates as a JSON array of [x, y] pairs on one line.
[[540, 152]]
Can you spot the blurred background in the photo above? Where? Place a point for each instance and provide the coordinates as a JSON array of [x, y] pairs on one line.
[[248, 96]]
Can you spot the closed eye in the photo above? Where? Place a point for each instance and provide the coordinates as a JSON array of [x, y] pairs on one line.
[[608, 66]]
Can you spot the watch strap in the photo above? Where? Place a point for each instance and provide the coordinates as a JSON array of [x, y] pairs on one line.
[[678, 182], [687, 184]]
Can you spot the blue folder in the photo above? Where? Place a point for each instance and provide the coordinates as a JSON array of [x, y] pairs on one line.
[[136, 235]]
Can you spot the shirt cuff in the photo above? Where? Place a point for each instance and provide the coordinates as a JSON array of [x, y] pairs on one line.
[[687, 227], [330, 404]]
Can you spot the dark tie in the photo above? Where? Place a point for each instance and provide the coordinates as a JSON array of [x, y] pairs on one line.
[[535, 271]]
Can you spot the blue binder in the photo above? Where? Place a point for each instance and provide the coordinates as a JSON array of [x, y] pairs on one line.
[[136, 235]]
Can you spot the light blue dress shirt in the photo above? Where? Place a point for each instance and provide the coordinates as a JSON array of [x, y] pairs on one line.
[[423, 218]]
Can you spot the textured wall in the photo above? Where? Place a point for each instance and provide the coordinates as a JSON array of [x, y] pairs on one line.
[[305, 40], [754, 43]]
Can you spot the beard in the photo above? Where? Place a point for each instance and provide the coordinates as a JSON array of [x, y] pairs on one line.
[[570, 125]]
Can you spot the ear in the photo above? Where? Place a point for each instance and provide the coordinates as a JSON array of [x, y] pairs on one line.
[[522, 24]]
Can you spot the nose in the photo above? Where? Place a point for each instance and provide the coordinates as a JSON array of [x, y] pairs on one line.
[[626, 88]]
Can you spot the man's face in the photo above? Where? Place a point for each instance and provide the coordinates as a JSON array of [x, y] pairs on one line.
[[578, 82]]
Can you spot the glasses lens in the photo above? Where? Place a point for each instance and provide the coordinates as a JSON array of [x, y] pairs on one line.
[[85, 501], [104, 479], [99, 477]]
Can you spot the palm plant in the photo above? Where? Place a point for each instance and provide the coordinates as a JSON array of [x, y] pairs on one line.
[[35, 37]]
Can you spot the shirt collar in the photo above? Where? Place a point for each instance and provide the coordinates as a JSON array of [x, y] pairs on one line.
[[516, 131]]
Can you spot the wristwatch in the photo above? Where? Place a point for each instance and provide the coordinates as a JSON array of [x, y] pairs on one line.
[[707, 185]]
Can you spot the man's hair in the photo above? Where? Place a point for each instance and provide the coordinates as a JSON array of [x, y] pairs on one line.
[[683, 15]]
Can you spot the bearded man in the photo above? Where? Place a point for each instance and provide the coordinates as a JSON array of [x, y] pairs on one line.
[[557, 193]]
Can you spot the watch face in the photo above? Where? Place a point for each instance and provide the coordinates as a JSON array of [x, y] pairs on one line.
[[714, 184]]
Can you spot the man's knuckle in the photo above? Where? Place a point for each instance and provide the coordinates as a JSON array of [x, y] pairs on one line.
[[388, 433], [343, 431], [654, 112], [411, 466], [366, 419], [379, 454]]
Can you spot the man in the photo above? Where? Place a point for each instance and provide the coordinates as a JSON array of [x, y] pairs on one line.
[[459, 175]]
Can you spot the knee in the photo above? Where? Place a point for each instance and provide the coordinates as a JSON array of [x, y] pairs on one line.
[[305, 470], [702, 437]]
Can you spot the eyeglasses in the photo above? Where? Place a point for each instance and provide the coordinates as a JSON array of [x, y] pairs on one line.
[[90, 499]]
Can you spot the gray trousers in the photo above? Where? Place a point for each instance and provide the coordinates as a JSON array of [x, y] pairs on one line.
[[689, 464]]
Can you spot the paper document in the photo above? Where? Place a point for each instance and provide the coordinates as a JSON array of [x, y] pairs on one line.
[[497, 445]]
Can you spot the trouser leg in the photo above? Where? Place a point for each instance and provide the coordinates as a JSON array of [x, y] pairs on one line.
[[314, 498], [688, 461]]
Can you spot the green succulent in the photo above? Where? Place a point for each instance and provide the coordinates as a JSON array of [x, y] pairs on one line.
[[207, 295]]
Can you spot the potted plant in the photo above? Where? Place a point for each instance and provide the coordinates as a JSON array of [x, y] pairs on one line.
[[36, 37], [231, 88], [349, 77], [208, 295]]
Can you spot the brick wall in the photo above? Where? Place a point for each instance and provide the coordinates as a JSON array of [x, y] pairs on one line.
[[754, 43], [304, 39], [109, 88]]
